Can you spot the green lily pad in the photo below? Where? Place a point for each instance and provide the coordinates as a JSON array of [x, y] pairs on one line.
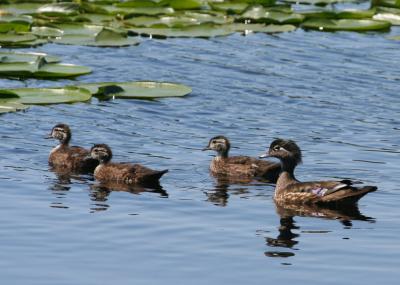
[[40, 68], [198, 31], [137, 11], [47, 32], [17, 24], [230, 7], [137, 3], [386, 3], [261, 28], [7, 106], [260, 14], [57, 9], [105, 38], [318, 2], [12, 38], [184, 5], [345, 25], [61, 70], [25, 44], [355, 14], [168, 21], [138, 90], [394, 19], [13, 57], [20, 8], [79, 29], [44, 96]]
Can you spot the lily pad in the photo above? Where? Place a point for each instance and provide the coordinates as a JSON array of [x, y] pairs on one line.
[[198, 31], [261, 28], [138, 90], [345, 25], [13, 57], [394, 19], [57, 9], [46, 32], [7, 106], [184, 5], [107, 37], [44, 96], [12, 38], [20, 8], [40, 68], [17, 24], [260, 14], [230, 7]]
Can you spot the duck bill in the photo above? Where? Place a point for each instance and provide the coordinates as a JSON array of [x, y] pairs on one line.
[[49, 136], [264, 155], [206, 148]]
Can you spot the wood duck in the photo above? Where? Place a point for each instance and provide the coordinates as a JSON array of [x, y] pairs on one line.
[[124, 173], [69, 158], [239, 166], [289, 190]]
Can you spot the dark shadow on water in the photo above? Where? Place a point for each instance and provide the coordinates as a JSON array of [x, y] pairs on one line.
[[219, 196], [99, 193], [287, 239], [61, 184]]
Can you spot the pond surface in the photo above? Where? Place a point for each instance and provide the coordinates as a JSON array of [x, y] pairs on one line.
[[336, 94]]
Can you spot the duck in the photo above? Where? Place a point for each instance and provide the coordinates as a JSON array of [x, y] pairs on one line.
[[290, 190], [67, 158], [239, 166], [124, 173]]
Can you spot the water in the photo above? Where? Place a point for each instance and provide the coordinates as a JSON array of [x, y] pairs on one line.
[[336, 94]]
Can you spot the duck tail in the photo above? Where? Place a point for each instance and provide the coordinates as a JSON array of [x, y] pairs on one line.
[[349, 195]]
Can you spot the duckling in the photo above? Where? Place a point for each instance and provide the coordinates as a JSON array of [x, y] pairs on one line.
[[124, 173], [239, 166], [289, 190], [69, 158]]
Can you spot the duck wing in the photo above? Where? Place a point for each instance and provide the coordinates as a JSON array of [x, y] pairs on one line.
[[138, 174], [329, 191]]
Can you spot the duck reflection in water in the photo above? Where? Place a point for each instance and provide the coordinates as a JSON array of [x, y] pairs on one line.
[[220, 194], [100, 192], [61, 184], [287, 239]]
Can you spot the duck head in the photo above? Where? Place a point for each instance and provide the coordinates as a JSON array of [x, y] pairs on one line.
[[220, 144], [61, 132], [101, 152], [287, 151]]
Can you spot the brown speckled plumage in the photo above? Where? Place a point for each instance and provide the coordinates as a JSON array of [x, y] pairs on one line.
[[67, 158], [289, 190], [122, 172], [239, 166]]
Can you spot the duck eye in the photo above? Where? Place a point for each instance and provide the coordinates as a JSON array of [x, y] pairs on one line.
[[277, 147]]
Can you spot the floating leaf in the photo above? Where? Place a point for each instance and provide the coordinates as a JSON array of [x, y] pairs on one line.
[[13, 57], [138, 90], [392, 18], [198, 31], [17, 24], [57, 9], [230, 7], [20, 8], [12, 38], [184, 5], [260, 28], [47, 32], [43, 96], [7, 106], [345, 25], [260, 14]]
